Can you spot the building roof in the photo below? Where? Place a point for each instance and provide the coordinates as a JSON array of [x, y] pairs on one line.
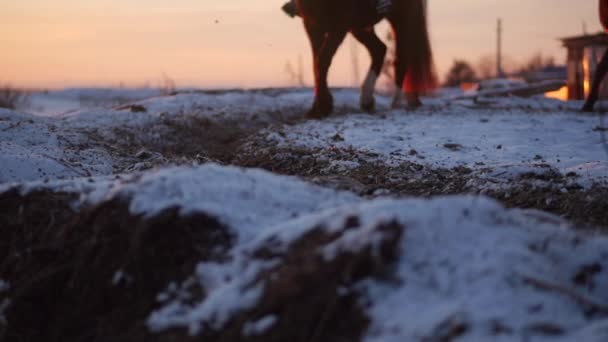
[[586, 40]]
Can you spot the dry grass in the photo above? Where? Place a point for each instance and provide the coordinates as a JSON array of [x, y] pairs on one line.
[[11, 97]]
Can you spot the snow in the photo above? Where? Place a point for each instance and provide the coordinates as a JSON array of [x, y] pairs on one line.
[[243, 199], [464, 259], [59, 144], [500, 137], [513, 141], [58, 102], [470, 258], [33, 148], [260, 326]]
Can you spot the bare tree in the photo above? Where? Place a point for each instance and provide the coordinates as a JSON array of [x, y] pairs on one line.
[[167, 85], [296, 76], [460, 72], [486, 67], [537, 62]]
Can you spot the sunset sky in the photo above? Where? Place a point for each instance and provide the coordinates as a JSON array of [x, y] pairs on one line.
[[234, 43]]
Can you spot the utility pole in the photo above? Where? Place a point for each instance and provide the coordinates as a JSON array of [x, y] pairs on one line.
[[499, 72]]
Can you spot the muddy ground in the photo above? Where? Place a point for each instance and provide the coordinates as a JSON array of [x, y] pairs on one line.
[[190, 140]]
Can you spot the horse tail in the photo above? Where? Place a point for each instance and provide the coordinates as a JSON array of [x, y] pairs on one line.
[[414, 47], [604, 13]]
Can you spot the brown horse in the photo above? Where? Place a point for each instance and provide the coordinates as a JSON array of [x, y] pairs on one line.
[[602, 68], [328, 21]]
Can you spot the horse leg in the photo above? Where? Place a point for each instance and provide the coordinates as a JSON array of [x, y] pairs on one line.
[[600, 74], [414, 53], [400, 70], [324, 45], [377, 51]]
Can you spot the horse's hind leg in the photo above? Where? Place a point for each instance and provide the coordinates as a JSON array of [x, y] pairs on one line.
[[600, 74], [377, 51], [324, 46]]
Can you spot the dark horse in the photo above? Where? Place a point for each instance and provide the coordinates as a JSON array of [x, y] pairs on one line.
[[602, 68], [328, 21]]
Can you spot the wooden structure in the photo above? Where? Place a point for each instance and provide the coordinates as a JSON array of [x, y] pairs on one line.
[[584, 53]]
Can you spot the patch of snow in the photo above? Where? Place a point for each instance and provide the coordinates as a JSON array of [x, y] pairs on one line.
[[121, 276], [260, 326], [60, 102], [462, 258], [470, 259], [232, 294], [34, 148], [243, 199], [509, 140]]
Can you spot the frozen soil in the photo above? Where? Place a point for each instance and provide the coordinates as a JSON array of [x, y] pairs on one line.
[[94, 272], [187, 138], [160, 257], [546, 190], [80, 270], [166, 238]]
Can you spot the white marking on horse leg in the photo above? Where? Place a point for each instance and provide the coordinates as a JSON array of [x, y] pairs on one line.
[[397, 99], [367, 90]]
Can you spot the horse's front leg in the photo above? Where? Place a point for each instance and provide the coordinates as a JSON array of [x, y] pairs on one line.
[[377, 51], [324, 46]]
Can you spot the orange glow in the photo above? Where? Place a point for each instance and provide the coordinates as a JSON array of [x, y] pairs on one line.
[[219, 43], [586, 76], [561, 94], [468, 86]]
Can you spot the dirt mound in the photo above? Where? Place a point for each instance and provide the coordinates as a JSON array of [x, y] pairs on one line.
[[94, 274], [312, 298]]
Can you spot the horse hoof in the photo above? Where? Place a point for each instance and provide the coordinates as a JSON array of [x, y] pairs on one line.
[[414, 104], [369, 107], [317, 114], [413, 100], [321, 109]]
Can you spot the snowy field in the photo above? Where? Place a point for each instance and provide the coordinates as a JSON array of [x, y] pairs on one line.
[[501, 137], [458, 221]]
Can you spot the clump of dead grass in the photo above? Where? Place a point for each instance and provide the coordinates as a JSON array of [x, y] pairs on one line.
[[11, 97]]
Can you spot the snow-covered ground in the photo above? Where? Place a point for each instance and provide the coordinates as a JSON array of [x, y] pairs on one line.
[[62, 144], [497, 142], [465, 263], [502, 138], [34, 148], [53, 103], [466, 268]]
